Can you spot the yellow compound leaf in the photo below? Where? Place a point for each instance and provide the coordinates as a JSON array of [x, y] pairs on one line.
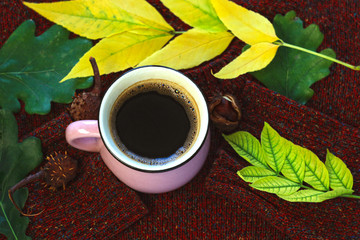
[[248, 26], [119, 52], [96, 19], [190, 49], [198, 14], [255, 58]]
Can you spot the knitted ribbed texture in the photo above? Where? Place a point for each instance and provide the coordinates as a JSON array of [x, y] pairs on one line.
[[332, 219], [216, 205], [92, 206]]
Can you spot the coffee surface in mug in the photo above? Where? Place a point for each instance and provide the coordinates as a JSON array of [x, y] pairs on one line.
[[154, 121]]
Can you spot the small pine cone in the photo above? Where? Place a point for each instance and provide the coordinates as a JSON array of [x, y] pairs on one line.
[[59, 170], [85, 106]]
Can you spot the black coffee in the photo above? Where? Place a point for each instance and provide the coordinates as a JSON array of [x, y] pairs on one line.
[[154, 122]]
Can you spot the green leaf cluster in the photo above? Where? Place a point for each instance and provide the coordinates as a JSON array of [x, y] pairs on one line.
[[31, 68], [290, 171], [16, 161]]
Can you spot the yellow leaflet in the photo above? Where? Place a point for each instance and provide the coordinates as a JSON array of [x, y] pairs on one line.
[[198, 14], [255, 58], [190, 49], [247, 25], [119, 52], [96, 19]]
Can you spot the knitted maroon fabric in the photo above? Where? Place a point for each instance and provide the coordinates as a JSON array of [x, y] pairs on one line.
[[92, 207], [332, 219], [94, 204]]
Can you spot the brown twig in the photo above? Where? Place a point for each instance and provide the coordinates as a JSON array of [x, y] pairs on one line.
[[97, 80], [21, 184]]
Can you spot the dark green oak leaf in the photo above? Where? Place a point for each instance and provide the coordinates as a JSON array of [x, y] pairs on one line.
[[16, 161], [32, 66], [292, 72]]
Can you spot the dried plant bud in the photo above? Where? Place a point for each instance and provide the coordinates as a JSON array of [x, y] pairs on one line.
[[87, 104], [57, 172], [225, 112]]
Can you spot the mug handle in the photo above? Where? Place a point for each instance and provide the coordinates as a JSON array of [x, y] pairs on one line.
[[84, 135]]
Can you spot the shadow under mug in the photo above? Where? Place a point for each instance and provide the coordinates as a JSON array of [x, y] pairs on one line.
[[96, 136]]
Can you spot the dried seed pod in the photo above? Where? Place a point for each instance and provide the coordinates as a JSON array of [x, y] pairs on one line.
[[86, 105], [225, 112], [57, 172]]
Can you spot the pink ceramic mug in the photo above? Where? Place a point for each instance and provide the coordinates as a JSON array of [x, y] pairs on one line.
[[96, 136]]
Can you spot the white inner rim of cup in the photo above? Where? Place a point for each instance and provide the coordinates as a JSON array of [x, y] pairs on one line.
[[140, 74]]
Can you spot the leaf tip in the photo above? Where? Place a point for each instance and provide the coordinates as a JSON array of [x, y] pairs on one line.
[[64, 79]]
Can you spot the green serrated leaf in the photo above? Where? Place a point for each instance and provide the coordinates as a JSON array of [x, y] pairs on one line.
[[316, 173], [335, 193], [252, 173], [294, 164], [274, 147], [277, 185], [310, 195], [248, 147], [292, 72], [300, 165], [340, 175], [31, 68], [16, 161], [307, 195]]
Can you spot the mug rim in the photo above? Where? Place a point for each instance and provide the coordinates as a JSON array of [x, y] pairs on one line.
[[164, 167]]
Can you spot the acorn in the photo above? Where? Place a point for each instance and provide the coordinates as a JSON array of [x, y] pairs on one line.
[[225, 112], [57, 172], [86, 105]]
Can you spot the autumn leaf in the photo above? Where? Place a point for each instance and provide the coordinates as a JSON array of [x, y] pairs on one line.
[[32, 66], [292, 72], [255, 58], [190, 49], [119, 52], [198, 14], [248, 26], [98, 19], [16, 161]]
